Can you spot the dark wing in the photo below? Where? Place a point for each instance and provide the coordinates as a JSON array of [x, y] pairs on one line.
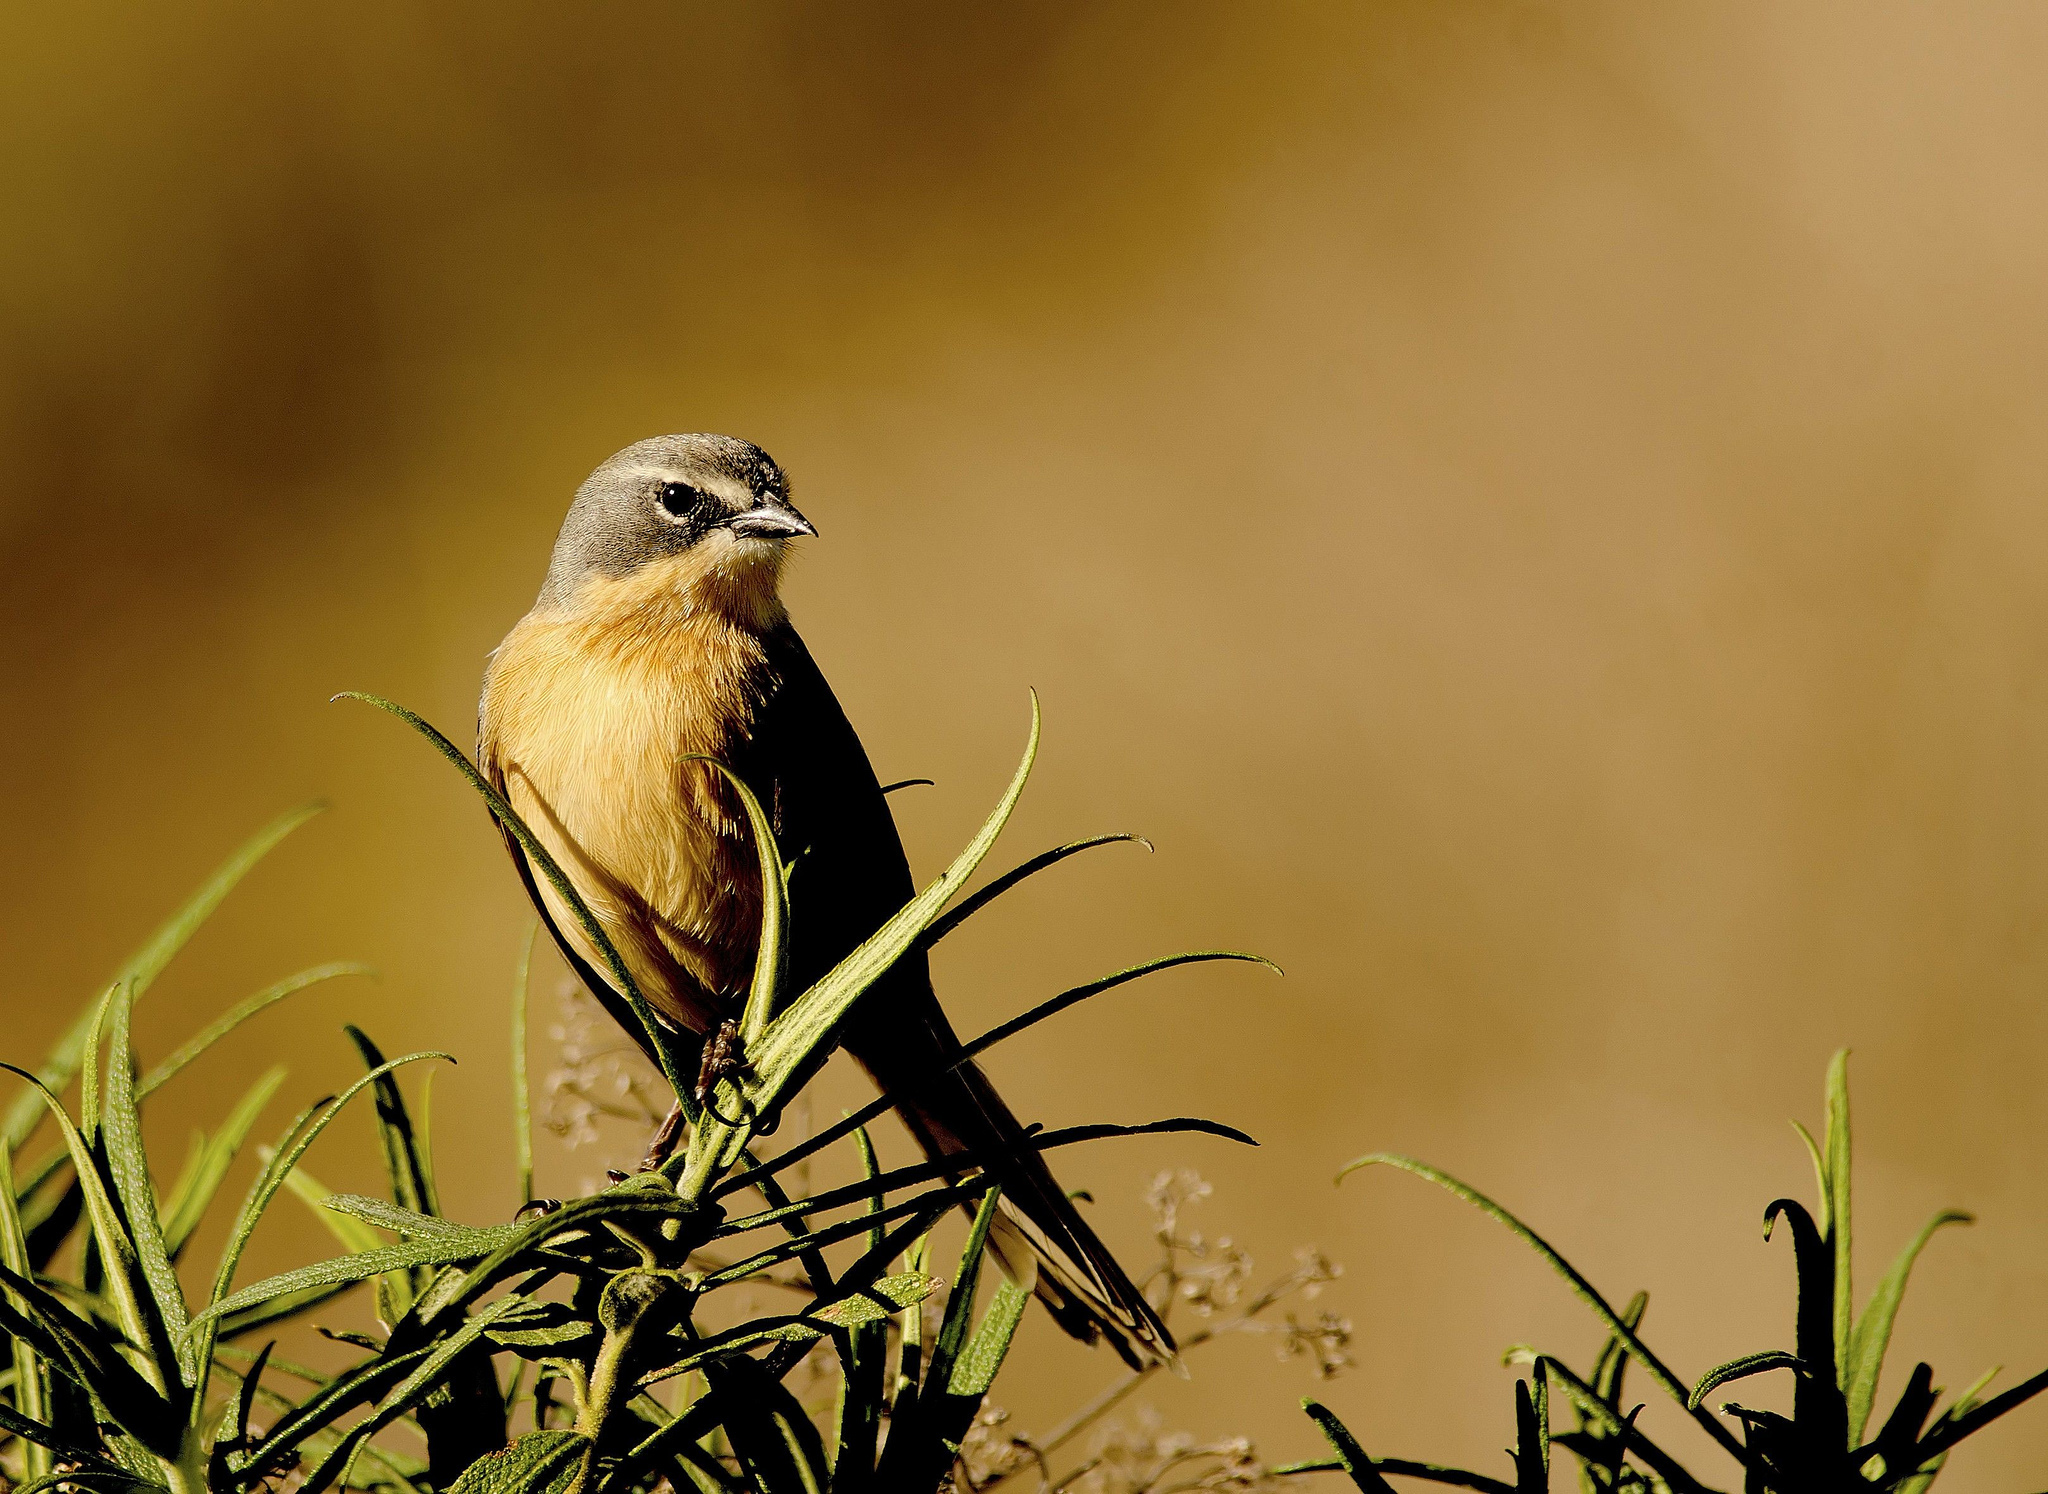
[[849, 876]]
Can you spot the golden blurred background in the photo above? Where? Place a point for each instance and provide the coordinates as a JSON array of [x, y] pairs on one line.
[[1537, 509]]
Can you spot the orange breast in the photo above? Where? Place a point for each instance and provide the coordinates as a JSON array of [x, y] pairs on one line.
[[589, 717]]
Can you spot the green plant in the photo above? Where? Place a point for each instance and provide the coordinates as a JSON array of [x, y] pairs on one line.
[[1825, 1446], [572, 1350]]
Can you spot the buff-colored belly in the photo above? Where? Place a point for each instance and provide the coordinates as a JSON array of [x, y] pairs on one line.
[[590, 741]]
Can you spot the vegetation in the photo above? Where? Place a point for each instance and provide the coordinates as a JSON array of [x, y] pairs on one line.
[[1825, 1446], [602, 1345], [577, 1347]]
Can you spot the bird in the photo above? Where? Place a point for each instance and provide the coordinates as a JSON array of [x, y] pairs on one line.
[[659, 640]]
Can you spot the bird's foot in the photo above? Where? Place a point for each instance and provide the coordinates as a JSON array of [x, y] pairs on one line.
[[725, 1057], [664, 1142]]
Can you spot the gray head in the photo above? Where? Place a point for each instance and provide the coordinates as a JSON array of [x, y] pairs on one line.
[[668, 495]]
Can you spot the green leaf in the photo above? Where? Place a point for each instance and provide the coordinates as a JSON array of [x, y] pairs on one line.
[[1836, 1143], [714, 1142], [1741, 1369], [31, 1391], [386, 1215], [89, 1078], [1873, 1331], [1817, 1402], [969, 906], [89, 1355], [883, 1102], [433, 1250], [303, 1133], [975, 1370], [540, 1326], [1581, 1288], [871, 1190], [863, 1356], [927, 1207], [522, 1092], [1352, 1458], [393, 1288], [960, 1304], [537, 1463], [1962, 1422], [404, 1162], [407, 1394], [659, 1041], [42, 1440], [235, 1016], [129, 1164], [64, 1060], [1613, 1424], [277, 1310], [117, 1251], [772, 956], [770, 1432], [802, 1031], [194, 1191]]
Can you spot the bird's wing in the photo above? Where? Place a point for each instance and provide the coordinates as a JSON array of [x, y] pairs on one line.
[[806, 764]]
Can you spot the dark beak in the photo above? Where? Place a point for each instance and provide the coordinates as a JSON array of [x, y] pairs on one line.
[[774, 519]]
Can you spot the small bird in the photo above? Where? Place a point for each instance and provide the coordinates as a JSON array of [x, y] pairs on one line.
[[658, 638]]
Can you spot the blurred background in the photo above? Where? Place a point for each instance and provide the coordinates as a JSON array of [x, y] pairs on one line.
[[1536, 509]]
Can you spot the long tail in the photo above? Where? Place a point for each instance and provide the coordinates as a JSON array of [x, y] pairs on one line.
[[1039, 1237]]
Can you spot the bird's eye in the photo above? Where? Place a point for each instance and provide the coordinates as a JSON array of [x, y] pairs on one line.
[[678, 498]]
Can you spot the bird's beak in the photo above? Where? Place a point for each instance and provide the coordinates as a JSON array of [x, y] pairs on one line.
[[774, 519]]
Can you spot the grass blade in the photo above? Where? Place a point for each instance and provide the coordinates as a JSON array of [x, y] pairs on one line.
[[803, 1030], [1741, 1369], [881, 1103], [981, 898], [1835, 1144], [1352, 1458], [404, 1162], [129, 1164], [522, 1092], [31, 1394], [194, 1192], [303, 1133], [117, 1252], [236, 1015], [659, 1043], [63, 1062], [1873, 1332], [1581, 1287]]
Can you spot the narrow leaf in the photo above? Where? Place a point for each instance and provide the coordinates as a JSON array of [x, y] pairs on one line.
[[1352, 1458], [1580, 1287], [129, 1164], [800, 1032], [1873, 1332], [522, 1092], [1836, 1141], [236, 1015], [1742, 1369], [194, 1192], [143, 967], [659, 1042], [31, 1393]]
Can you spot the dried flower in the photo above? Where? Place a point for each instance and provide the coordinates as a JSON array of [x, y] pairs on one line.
[[1326, 1339], [1147, 1458], [988, 1451], [601, 1076]]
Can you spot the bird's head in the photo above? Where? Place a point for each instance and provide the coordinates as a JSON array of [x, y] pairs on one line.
[[691, 512]]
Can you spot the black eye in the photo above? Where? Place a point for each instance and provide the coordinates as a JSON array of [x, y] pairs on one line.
[[679, 498]]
